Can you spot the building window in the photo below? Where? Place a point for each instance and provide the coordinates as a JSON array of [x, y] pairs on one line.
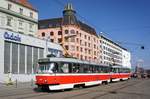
[[89, 51], [88, 38], [72, 39], [21, 11], [80, 34], [77, 32], [89, 45], [94, 46], [9, 6], [7, 57], [20, 24], [85, 51], [59, 33], [72, 48], [72, 32], [80, 42], [85, 36], [22, 59], [29, 60], [85, 57], [67, 47], [77, 40], [81, 49], [94, 52], [66, 31], [51, 33], [59, 40], [9, 21], [43, 34], [81, 57], [52, 40], [14, 58], [77, 48], [31, 15], [85, 43], [31, 27], [94, 40]]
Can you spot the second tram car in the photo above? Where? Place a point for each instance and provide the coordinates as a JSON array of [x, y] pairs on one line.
[[67, 73]]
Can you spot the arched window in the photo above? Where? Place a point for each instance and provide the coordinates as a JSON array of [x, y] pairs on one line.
[[59, 33], [51, 33], [43, 34], [72, 31], [66, 31]]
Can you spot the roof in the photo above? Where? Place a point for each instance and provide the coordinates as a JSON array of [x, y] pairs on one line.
[[87, 28], [57, 22], [112, 42], [50, 23], [24, 3], [68, 60]]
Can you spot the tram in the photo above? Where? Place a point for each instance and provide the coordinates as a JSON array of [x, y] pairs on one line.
[[66, 73]]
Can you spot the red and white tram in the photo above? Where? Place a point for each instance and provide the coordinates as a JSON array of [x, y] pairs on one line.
[[67, 73]]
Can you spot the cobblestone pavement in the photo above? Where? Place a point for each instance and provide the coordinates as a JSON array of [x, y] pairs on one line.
[[131, 89]]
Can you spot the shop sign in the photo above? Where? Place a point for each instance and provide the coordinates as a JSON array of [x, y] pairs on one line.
[[12, 36]]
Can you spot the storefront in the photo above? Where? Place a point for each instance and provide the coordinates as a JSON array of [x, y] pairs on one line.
[[19, 54]]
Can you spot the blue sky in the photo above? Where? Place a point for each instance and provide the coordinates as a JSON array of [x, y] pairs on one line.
[[126, 21]]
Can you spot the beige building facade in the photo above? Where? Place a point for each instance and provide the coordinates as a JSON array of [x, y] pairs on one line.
[[113, 54], [78, 39], [18, 16]]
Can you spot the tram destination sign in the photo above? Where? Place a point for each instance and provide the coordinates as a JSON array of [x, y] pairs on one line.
[[12, 36]]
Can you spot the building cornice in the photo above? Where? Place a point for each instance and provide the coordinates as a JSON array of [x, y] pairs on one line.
[[31, 8], [10, 12]]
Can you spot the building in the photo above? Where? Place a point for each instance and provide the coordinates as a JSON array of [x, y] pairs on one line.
[[126, 58], [113, 53], [18, 16], [19, 54], [77, 38], [19, 49]]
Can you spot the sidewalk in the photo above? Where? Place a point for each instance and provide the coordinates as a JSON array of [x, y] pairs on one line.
[[18, 85]]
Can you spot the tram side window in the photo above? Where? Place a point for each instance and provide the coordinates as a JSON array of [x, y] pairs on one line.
[[105, 69], [86, 68], [48, 68], [64, 68], [114, 70], [121, 70], [90, 69], [97, 69], [76, 68]]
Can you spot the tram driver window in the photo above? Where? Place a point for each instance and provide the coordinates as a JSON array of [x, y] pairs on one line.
[[64, 68]]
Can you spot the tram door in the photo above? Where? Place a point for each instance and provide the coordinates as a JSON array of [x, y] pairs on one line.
[[62, 69]]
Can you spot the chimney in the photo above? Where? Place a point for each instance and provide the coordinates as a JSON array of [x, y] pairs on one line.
[[23, 1]]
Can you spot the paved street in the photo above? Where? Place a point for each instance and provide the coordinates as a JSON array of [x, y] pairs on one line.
[[131, 89]]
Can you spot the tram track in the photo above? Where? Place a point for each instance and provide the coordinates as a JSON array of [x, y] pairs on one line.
[[106, 92], [22, 91], [34, 94]]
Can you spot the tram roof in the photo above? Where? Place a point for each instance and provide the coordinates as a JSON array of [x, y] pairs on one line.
[[117, 66], [67, 60]]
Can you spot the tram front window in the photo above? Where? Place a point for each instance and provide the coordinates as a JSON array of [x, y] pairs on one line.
[[47, 68]]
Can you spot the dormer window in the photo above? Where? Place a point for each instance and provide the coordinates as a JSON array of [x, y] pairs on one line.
[[72, 32], [31, 14], [21, 11], [43, 34], [9, 6], [9, 21]]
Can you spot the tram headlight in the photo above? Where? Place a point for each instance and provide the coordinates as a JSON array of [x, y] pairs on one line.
[[45, 81]]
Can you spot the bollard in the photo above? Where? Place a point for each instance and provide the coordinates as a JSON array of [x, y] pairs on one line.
[[16, 83], [31, 82], [9, 81]]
